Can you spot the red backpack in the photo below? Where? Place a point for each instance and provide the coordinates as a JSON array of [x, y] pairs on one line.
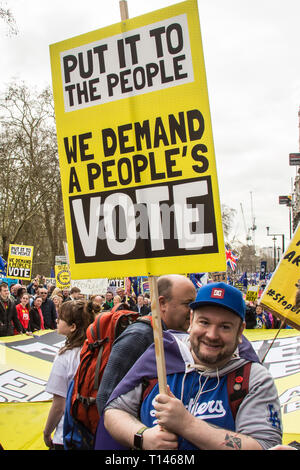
[[94, 355]]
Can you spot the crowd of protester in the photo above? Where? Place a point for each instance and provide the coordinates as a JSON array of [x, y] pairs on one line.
[[257, 317], [37, 306]]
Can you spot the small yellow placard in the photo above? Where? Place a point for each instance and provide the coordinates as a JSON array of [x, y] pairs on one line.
[[19, 262]]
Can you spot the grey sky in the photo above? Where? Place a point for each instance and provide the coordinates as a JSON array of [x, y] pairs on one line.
[[251, 50]]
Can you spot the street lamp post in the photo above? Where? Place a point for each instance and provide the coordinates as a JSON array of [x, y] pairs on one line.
[[287, 201], [274, 235], [274, 252], [278, 253]]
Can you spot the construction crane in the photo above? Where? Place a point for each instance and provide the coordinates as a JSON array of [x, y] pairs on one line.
[[254, 227], [250, 232], [247, 231]]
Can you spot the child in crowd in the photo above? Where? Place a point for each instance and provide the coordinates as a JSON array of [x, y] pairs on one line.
[[23, 312], [73, 320]]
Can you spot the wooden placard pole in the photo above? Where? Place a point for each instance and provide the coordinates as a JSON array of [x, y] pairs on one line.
[[282, 324], [123, 10], [158, 336], [156, 320]]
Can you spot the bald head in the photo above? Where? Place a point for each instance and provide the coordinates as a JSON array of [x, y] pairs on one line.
[[175, 293]]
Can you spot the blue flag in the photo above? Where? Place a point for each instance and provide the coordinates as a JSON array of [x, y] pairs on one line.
[[3, 266], [243, 279]]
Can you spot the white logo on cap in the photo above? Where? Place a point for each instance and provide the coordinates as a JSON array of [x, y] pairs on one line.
[[217, 293]]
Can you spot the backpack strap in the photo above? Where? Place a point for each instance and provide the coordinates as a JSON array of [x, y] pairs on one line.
[[238, 386], [91, 334], [98, 363], [148, 385], [83, 367]]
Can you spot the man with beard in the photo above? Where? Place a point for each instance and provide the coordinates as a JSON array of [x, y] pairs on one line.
[[198, 412]]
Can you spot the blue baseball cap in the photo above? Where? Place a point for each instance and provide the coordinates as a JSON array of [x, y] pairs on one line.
[[223, 295]]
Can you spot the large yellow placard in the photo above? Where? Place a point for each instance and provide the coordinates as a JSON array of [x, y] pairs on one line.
[[136, 149], [280, 292]]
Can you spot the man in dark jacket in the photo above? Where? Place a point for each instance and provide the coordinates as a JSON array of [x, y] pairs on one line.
[[250, 317], [33, 286], [141, 307], [74, 294], [8, 313], [48, 311], [109, 301]]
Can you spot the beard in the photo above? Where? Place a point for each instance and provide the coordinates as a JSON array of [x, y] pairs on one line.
[[206, 359]]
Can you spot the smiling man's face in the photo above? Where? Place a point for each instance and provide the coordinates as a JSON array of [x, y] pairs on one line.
[[215, 333]]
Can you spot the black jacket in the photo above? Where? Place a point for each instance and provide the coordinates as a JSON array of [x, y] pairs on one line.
[[9, 319], [107, 306], [145, 310], [127, 348], [49, 314], [34, 319], [250, 317]]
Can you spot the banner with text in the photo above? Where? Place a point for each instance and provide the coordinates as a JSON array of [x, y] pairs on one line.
[[91, 286], [283, 363], [136, 149], [280, 293], [25, 365]]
